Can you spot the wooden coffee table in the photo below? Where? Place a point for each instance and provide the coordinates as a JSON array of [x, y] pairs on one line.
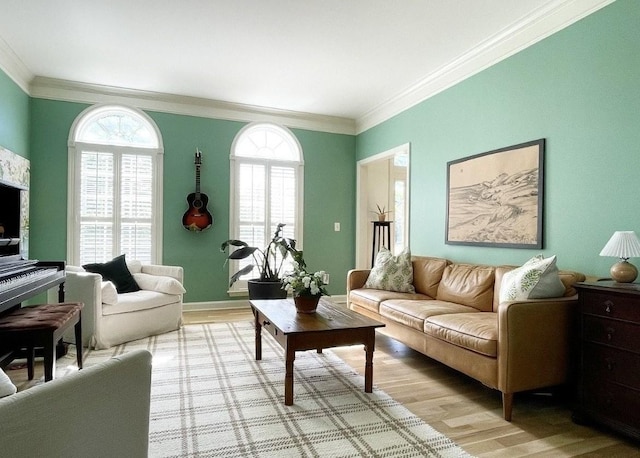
[[330, 326]]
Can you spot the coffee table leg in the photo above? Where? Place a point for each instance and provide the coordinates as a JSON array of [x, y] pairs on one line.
[[290, 356], [258, 328], [369, 347]]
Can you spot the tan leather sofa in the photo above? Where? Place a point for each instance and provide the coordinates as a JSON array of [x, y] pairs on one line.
[[455, 316]]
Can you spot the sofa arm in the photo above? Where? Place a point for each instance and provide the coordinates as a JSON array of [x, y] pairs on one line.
[[534, 343], [356, 278], [102, 410], [85, 287]]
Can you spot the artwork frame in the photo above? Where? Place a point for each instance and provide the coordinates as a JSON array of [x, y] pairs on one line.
[[495, 199]]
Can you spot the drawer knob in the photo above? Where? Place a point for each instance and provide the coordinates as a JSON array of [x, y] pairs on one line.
[[608, 306], [610, 364], [610, 332]]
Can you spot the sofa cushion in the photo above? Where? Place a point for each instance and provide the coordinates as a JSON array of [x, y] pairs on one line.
[[412, 313], [427, 273], [538, 278], [116, 271], [392, 273], [371, 298], [159, 283], [477, 332], [468, 284], [139, 300]]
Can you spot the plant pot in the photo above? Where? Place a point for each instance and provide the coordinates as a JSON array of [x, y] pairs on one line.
[[306, 304], [265, 289], [382, 217]]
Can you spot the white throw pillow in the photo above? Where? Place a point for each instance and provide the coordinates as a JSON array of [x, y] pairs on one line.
[[392, 273], [159, 283], [6, 385], [538, 278], [109, 293]]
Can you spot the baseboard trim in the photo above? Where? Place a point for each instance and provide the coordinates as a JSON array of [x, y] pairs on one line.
[[237, 304]]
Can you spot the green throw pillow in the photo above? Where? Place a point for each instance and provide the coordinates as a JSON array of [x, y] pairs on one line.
[[392, 273], [538, 278]]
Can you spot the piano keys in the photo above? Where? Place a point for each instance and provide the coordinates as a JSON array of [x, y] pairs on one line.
[[21, 279]]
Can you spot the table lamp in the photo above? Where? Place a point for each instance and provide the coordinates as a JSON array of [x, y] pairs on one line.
[[623, 245]]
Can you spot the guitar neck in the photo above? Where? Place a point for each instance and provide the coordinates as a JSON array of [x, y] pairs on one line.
[[198, 180]]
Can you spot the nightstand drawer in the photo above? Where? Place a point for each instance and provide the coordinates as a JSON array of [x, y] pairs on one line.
[[604, 363], [611, 306], [619, 334], [607, 399]]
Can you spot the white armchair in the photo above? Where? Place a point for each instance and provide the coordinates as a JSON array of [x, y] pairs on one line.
[[109, 318]]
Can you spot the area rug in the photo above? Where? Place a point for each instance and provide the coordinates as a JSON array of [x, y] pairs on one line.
[[210, 397]]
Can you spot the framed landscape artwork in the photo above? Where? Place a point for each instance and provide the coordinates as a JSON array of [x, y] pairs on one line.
[[495, 198]]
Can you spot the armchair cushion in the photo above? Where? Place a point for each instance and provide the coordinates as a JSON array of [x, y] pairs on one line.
[[159, 283], [109, 293], [6, 385], [116, 271]]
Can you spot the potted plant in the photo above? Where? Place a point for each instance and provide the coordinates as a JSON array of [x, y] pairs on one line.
[[306, 287], [381, 212], [270, 262]]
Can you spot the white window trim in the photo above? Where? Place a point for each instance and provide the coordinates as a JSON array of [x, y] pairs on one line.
[[239, 288], [73, 180]]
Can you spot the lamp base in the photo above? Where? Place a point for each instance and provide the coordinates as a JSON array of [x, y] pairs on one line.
[[623, 272]]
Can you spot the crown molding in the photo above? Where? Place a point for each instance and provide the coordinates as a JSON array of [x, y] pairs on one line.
[[541, 23], [14, 68], [71, 91]]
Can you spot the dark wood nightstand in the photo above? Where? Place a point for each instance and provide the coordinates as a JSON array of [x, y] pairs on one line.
[[609, 356]]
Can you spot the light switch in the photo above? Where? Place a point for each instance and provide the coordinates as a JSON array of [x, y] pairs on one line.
[[336, 227]]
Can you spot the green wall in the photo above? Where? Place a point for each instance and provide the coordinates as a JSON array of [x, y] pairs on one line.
[[14, 117], [328, 195], [580, 90]]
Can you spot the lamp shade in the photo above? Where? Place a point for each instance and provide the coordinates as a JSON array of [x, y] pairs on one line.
[[622, 244]]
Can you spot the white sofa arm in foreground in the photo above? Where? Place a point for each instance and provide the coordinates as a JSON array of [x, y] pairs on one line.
[[99, 411]]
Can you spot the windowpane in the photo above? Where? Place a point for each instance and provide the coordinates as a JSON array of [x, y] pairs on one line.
[[136, 241], [116, 185], [136, 186], [96, 241], [96, 185], [266, 168]]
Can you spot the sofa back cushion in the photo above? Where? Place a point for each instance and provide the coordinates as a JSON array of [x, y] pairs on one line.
[[468, 284], [427, 273]]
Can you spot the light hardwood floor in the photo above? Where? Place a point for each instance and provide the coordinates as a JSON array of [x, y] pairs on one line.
[[458, 406], [464, 409]]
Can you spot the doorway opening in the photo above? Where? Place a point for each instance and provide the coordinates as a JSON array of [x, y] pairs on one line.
[[382, 181]]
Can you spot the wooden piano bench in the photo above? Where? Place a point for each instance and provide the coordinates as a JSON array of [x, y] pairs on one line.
[[41, 326]]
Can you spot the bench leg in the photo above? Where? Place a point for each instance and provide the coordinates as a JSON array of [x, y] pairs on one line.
[[49, 360], [31, 353]]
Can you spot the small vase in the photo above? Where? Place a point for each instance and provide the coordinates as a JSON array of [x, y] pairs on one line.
[[306, 304], [382, 217]]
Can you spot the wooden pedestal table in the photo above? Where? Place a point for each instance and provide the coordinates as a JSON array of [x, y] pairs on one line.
[[330, 326]]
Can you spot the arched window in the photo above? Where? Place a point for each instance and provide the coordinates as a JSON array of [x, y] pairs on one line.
[[266, 188], [115, 186]]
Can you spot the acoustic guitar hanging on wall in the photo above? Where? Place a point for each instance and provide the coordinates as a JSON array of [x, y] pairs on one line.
[[197, 217]]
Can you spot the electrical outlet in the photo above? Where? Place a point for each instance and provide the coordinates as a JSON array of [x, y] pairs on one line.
[[336, 227]]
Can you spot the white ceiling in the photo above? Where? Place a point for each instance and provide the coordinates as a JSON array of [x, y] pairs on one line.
[[342, 58]]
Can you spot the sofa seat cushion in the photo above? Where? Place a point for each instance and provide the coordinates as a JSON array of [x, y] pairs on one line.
[[139, 300], [477, 332], [412, 313], [371, 298]]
